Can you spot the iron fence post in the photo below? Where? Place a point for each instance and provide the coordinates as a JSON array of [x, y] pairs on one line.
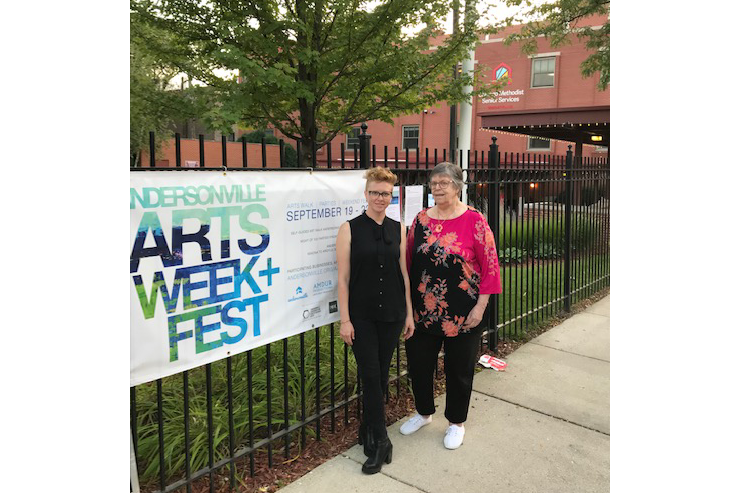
[[201, 147], [282, 154], [224, 157], [364, 148], [152, 149], [493, 221], [568, 227], [134, 470]]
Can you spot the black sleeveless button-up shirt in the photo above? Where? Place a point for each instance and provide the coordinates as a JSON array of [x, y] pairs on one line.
[[376, 287]]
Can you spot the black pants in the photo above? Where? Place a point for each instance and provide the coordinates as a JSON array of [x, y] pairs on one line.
[[374, 344], [460, 356]]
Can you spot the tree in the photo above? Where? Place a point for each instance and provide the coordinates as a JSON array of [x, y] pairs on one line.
[[154, 104], [558, 21], [313, 68]]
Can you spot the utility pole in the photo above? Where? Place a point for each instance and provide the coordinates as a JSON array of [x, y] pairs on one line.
[[453, 108]]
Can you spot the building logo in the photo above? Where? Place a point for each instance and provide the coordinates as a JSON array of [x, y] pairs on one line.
[[299, 294], [503, 73]]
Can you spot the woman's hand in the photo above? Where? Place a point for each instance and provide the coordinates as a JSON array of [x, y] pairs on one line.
[[474, 317], [410, 327], [346, 331]]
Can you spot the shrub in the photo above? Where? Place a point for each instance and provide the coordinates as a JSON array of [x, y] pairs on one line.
[[545, 237], [511, 255], [173, 399], [545, 250], [291, 155], [591, 195]]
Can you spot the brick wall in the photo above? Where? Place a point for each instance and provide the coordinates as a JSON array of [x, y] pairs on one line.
[[190, 151]]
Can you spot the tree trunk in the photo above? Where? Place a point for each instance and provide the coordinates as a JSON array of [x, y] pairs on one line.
[[308, 72], [305, 157], [309, 134]]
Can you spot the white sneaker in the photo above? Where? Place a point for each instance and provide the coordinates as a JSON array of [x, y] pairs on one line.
[[454, 436], [414, 424]]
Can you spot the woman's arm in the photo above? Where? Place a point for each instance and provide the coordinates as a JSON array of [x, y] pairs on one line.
[[474, 318], [487, 260], [487, 257], [343, 255], [409, 325]]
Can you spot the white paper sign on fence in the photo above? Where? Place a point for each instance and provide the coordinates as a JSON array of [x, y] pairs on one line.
[[223, 262], [413, 202]]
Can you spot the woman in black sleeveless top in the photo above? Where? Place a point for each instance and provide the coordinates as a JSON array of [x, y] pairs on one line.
[[374, 301]]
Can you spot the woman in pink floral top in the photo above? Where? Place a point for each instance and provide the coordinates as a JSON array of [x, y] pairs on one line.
[[453, 270]]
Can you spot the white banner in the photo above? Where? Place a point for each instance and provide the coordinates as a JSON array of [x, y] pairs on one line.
[[223, 262]]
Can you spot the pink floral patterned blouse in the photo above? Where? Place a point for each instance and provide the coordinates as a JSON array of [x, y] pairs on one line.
[[450, 263]]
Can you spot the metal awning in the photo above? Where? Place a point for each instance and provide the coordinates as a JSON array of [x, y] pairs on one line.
[[577, 125]]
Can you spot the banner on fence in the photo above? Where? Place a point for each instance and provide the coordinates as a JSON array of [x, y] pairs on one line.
[[223, 262]]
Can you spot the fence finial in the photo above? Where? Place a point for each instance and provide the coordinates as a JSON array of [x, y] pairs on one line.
[[495, 139], [364, 127]]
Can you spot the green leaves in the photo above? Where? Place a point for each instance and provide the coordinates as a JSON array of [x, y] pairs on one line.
[[311, 68], [173, 398]]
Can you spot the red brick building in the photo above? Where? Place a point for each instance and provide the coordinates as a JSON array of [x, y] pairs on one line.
[[546, 106]]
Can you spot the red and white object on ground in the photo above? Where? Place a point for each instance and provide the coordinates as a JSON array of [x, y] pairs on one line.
[[491, 362]]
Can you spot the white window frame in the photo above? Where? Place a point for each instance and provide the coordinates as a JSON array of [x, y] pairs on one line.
[[542, 149], [533, 62], [402, 137], [601, 148]]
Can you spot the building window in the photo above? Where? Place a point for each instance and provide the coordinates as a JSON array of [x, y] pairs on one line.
[[601, 148], [542, 72], [539, 144], [269, 132], [410, 137], [352, 138]]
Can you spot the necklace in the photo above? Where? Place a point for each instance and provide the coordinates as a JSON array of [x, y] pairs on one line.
[[440, 226]]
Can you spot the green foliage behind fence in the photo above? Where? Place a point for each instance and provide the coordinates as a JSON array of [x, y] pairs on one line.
[[544, 238], [173, 398]]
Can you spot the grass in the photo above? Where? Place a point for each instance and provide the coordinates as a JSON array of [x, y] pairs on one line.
[[534, 284]]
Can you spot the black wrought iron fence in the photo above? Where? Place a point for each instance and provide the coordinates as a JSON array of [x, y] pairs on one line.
[[551, 219]]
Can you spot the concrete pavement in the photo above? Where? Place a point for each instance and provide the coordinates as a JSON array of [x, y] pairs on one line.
[[543, 425]]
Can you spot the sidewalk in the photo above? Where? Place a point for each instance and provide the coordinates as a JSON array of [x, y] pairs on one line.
[[541, 426]]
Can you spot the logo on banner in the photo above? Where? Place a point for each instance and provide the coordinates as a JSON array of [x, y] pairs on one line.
[[311, 313], [212, 293], [333, 306], [299, 294], [323, 286], [503, 72]]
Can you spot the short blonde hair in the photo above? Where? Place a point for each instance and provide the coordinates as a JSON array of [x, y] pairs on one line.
[[380, 174]]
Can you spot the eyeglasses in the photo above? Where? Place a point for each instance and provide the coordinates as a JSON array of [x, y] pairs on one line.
[[374, 194], [441, 184]]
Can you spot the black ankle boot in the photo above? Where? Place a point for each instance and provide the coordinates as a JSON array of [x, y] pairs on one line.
[[383, 453], [367, 439]]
